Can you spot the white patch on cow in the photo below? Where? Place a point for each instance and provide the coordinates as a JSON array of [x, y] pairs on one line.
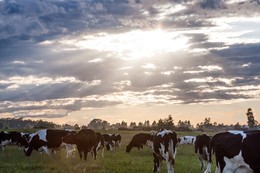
[[217, 168], [208, 169], [99, 146], [204, 157], [170, 154], [149, 143], [44, 149], [22, 133], [42, 134], [164, 132], [5, 142], [237, 132], [70, 149], [187, 140], [235, 164]]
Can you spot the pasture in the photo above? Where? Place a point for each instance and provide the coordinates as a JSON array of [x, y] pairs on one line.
[[13, 160]]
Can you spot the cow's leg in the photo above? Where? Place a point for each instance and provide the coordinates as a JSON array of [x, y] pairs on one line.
[[208, 169], [156, 162], [201, 161], [86, 154], [111, 147], [95, 153], [170, 166], [217, 168], [79, 151], [103, 149], [108, 146]]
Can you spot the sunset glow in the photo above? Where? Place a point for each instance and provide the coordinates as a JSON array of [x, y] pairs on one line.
[[71, 62]]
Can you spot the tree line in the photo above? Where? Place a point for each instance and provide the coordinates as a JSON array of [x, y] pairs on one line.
[[167, 123]]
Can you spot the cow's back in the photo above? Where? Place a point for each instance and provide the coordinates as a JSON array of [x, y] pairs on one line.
[[87, 138]]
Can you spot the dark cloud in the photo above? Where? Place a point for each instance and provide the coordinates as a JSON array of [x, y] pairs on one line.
[[212, 4]]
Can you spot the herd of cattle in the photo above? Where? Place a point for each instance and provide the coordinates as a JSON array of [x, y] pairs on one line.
[[235, 151]]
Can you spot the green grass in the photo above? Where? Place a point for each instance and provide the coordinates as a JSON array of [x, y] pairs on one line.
[[13, 160]]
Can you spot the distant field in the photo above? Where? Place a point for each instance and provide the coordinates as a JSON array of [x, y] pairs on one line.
[[13, 160]]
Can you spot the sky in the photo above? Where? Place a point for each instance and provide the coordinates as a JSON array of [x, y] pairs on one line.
[[129, 60]]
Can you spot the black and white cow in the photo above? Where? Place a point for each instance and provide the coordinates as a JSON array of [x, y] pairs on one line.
[[86, 141], [108, 141], [46, 140], [100, 143], [237, 151], [139, 140], [187, 140], [116, 140], [202, 148], [164, 148], [13, 138]]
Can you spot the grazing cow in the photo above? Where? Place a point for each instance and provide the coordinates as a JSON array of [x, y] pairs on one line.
[[70, 149], [237, 151], [139, 140], [12, 138], [86, 141], [108, 141], [116, 139], [202, 148], [46, 140], [100, 143], [187, 140], [164, 148]]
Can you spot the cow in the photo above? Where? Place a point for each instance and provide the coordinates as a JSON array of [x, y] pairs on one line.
[[70, 149], [139, 140], [237, 151], [12, 138], [86, 141], [164, 148], [100, 143], [108, 141], [46, 140], [202, 148], [187, 140], [116, 140]]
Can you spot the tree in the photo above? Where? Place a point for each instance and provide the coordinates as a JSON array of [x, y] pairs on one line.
[[251, 122], [147, 123], [207, 122], [166, 123], [132, 125], [124, 124], [76, 127], [98, 124], [154, 124]]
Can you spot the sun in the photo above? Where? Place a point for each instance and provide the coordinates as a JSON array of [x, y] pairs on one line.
[[135, 44]]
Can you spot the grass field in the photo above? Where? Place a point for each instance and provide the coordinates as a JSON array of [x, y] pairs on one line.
[[13, 160]]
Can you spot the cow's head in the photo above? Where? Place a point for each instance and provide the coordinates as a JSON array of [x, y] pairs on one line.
[[128, 148], [28, 151]]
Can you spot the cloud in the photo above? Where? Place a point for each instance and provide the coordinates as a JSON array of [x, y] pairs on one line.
[[63, 56]]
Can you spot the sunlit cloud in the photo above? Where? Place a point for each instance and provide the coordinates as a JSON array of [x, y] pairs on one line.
[[149, 66], [95, 60], [18, 62], [211, 80], [134, 44]]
